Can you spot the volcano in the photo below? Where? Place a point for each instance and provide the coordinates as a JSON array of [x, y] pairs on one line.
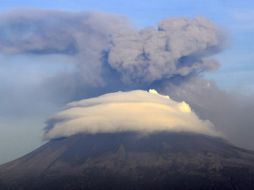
[[132, 161]]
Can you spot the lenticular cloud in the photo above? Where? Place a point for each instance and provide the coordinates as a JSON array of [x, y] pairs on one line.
[[138, 111]]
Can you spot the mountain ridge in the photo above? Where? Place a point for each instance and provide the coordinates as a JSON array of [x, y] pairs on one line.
[[132, 161]]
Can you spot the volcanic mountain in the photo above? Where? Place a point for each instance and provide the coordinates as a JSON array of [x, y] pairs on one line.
[[132, 161]]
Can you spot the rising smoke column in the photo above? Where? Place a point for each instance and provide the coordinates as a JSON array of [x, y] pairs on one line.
[[109, 52]]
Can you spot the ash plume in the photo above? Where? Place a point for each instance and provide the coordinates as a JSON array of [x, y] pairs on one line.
[[108, 51], [109, 54]]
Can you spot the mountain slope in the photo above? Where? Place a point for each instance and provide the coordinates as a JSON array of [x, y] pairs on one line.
[[132, 161]]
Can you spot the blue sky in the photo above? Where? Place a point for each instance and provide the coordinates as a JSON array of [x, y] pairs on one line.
[[234, 16], [236, 73]]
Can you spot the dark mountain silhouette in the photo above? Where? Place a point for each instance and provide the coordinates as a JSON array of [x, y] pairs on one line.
[[132, 161]]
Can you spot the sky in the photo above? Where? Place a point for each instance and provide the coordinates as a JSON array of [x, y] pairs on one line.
[[19, 82], [236, 17]]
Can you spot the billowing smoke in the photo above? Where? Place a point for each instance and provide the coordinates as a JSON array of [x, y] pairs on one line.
[[138, 111], [109, 53], [177, 47]]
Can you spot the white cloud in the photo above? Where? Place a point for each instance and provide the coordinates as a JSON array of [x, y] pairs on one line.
[[139, 111]]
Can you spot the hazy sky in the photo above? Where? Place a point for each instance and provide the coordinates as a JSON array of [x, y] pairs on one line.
[[21, 129], [236, 17]]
